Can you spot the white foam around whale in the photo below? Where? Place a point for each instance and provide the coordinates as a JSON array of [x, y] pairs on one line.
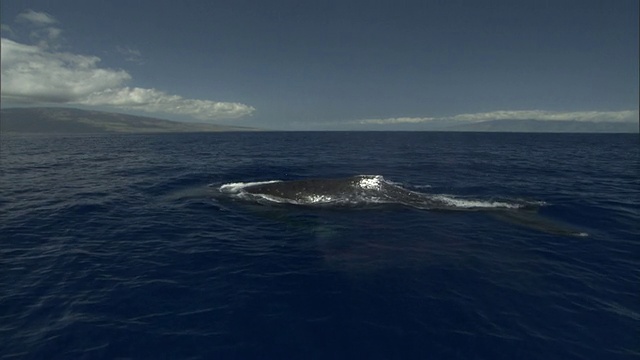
[[232, 188], [371, 182], [467, 203]]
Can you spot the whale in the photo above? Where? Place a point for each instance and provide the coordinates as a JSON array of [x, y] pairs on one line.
[[367, 190], [355, 190]]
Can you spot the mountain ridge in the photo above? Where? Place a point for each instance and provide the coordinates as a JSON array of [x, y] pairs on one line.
[[67, 120], [73, 120]]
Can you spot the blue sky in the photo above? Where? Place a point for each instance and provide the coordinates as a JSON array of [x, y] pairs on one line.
[[334, 65]]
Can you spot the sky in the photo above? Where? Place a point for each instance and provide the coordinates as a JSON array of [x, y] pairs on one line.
[[326, 65]]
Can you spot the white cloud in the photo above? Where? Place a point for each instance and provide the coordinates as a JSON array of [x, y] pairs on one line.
[[130, 54], [36, 18], [43, 33], [35, 74], [397, 120], [31, 74], [152, 100], [594, 116], [6, 30], [39, 73]]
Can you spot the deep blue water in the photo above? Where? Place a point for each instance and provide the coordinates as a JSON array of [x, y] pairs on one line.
[[123, 246]]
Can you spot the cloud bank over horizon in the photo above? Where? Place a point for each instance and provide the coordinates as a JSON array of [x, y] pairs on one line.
[[541, 115], [40, 74]]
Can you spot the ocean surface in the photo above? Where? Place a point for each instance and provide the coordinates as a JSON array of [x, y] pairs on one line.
[[519, 246]]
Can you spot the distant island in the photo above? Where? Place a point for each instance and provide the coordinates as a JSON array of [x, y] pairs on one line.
[[76, 121], [547, 126], [517, 126], [62, 120]]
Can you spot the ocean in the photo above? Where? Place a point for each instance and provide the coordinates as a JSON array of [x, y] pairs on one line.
[[164, 246]]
